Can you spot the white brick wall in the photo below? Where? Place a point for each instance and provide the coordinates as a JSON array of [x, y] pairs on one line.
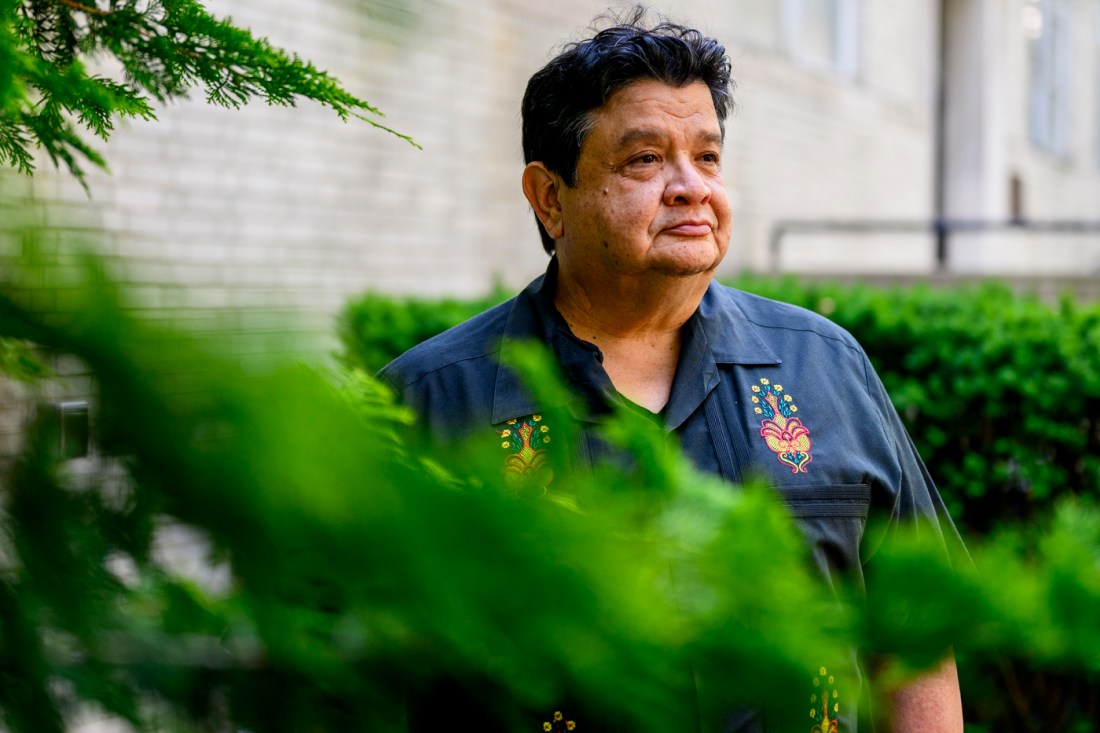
[[212, 208]]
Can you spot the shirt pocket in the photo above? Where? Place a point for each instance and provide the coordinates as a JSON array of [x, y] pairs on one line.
[[832, 517]]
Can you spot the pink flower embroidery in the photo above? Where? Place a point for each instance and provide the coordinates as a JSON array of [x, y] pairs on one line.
[[785, 434]]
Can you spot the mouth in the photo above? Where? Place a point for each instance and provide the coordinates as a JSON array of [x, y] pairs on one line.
[[693, 228]]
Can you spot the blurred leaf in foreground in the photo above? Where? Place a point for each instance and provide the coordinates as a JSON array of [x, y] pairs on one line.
[[360, 567]]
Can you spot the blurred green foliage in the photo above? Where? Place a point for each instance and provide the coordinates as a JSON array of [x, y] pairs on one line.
[[18, 361], [360, 567], [342, 564]]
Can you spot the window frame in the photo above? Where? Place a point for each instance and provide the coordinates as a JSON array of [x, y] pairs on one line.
[[844, 36], [1050, 78]]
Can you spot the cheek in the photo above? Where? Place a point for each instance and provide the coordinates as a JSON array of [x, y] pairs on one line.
[[633, 211], [721, 204]]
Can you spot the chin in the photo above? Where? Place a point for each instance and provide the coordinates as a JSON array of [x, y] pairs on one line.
[[688, 264]]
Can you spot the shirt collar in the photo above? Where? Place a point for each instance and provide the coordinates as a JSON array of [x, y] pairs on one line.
[[731, 336], [535, 317], [717, 333]]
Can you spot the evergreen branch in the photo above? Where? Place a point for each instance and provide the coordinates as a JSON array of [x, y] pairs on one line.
[[165, 48], [75, 5], [15, 146]]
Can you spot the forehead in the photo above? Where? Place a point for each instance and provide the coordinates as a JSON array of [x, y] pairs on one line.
[[654, 106]]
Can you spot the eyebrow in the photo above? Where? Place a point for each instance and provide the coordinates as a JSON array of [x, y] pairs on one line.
[[649, 134]]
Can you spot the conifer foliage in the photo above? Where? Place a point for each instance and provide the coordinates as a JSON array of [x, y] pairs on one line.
[[52, 94]]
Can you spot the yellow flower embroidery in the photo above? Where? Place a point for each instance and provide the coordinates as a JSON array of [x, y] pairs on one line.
[[819, 707], [560, 724], [526, 462]]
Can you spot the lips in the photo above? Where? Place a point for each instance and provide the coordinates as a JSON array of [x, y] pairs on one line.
[[692, 228]]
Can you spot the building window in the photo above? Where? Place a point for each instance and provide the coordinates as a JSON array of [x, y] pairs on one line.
[[1048, 26], [1096, 45], [822, 33]]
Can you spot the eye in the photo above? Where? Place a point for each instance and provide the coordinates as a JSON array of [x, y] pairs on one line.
[[713, 159], [645, 159]]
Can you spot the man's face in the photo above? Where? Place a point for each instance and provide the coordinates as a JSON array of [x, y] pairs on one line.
[[649, 196]]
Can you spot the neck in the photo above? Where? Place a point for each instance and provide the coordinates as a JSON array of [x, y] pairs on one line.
[[648, 309], [636, 324]]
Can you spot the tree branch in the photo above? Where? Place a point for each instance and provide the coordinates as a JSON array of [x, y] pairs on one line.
[[91, 9]]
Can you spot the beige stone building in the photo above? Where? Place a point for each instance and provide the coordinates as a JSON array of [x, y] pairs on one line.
[[877, 116], [849, 110]]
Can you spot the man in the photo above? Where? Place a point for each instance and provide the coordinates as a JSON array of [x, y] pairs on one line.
[[622, 136]]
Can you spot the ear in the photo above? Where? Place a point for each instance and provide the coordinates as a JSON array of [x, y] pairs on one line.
[[541, 187]]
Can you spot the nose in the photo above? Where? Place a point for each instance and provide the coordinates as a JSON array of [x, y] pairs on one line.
[[686, 184]]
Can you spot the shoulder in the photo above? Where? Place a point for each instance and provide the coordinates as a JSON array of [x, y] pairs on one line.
[[779, 321], [470, 341]]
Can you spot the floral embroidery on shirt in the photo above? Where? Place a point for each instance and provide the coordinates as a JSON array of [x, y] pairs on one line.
[[824, 706], [525, 440], [559, 725], [782, 431]]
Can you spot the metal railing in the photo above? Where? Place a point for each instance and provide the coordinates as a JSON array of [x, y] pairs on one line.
[[942, 229]]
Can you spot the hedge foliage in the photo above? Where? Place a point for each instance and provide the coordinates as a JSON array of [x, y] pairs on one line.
[[374, 328], [1000, 391]]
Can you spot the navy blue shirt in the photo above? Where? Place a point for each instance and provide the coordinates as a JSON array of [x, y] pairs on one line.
[[762, 388]]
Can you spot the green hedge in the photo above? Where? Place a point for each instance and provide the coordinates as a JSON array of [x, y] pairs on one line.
[[1000, 391], [375, 329]]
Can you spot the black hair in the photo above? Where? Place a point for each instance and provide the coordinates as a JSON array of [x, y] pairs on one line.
[[561, 96]]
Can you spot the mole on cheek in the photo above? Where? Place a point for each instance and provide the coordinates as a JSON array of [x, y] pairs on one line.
[[605, 245], [605, 191]]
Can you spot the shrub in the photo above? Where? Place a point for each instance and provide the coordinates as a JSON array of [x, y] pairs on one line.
[[375, 329]]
